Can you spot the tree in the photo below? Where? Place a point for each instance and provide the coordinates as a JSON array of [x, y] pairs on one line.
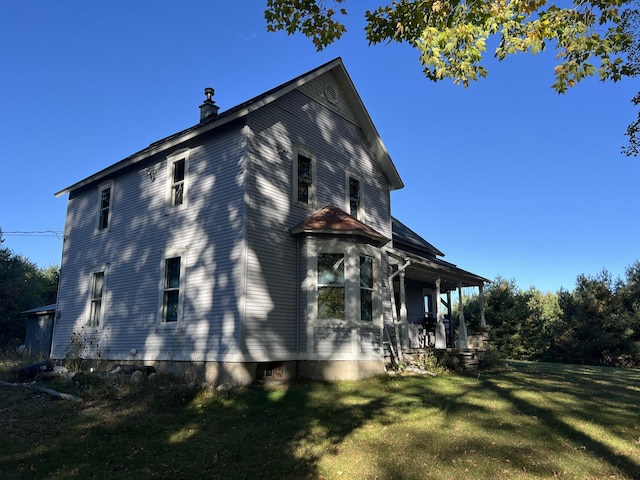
[[600, 321], [22, 286], [507, 312], [543, 314], [591, 37], [631, 25]]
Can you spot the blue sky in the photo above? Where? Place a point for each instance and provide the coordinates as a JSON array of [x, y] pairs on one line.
[[506, 177]]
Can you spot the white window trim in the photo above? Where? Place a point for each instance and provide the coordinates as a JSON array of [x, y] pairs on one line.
[[102, 187], [180, 252], [361, 211], [352, 253], [182, 154], [301, 150], [346, 271], [100, 268]]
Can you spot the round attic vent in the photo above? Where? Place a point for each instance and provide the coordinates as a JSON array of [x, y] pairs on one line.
[[331, 93]]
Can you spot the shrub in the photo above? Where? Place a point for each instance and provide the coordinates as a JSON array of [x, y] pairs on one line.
[[491, 359]]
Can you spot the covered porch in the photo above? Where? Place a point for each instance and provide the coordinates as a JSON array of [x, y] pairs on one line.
[[424, 290]]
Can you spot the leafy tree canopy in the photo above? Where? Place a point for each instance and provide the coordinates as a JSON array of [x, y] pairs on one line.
[[22, 286], [631, 25], [451, 35]]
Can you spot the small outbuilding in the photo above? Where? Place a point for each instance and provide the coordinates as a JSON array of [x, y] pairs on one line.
[[40, 330]]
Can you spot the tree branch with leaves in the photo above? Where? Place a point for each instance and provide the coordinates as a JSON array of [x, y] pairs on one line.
[[590, 37]]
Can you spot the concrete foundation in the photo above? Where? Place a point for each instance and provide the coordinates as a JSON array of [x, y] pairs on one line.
[[245, 373]]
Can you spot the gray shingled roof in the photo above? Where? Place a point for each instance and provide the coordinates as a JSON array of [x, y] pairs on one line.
[[405, 238], [243, 109]]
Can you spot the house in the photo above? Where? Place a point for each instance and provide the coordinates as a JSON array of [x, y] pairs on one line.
[[258, 242]]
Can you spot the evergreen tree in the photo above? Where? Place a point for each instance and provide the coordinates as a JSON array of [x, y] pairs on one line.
[[599, 324]]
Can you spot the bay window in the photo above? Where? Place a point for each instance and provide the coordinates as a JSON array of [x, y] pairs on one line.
[[331, 286], [366, 289]]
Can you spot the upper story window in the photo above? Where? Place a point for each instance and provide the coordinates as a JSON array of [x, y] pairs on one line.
[[177, 183], [331, 286], [354, 197], [105, 201], [177, 179], [304, 173], [95, 300]]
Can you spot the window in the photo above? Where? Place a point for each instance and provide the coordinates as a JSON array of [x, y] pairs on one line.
[[354, 197], [177, 179], [95, 303], [345, 281], [105, 201], [177, 184], [366, 289], [331, 285], [303, 177], [171, 293]]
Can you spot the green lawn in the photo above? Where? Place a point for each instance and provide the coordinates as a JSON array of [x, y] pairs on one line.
[[527, 421]]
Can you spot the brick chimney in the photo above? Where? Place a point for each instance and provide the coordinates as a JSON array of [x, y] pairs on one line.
[[208, 109]]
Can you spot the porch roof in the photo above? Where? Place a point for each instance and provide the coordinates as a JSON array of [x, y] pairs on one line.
[[428, 270], [408, 240]]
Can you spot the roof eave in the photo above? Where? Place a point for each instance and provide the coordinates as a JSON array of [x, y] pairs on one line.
[[326, 231], [343, 79], [151, 150]]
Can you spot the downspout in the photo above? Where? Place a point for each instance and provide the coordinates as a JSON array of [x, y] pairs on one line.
[[297, 298]]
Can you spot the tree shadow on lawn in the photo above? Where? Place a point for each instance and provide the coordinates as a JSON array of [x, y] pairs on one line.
[[402, 428], [594, 394], [280, 432], [587, 396]]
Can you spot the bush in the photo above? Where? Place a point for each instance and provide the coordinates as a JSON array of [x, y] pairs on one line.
[[491, 359]]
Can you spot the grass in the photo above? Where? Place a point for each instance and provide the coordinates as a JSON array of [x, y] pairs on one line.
[[523, 422]]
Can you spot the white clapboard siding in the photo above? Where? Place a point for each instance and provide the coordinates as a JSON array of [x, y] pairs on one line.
[[209, 231], [274, 314]]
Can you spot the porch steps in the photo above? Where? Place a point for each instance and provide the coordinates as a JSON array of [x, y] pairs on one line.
[[469, 358]]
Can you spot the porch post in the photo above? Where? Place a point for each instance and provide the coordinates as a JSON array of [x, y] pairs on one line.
[[483, 322], [403, 299], [441, 335], [449, 336], [463, 341], [403, 315]]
